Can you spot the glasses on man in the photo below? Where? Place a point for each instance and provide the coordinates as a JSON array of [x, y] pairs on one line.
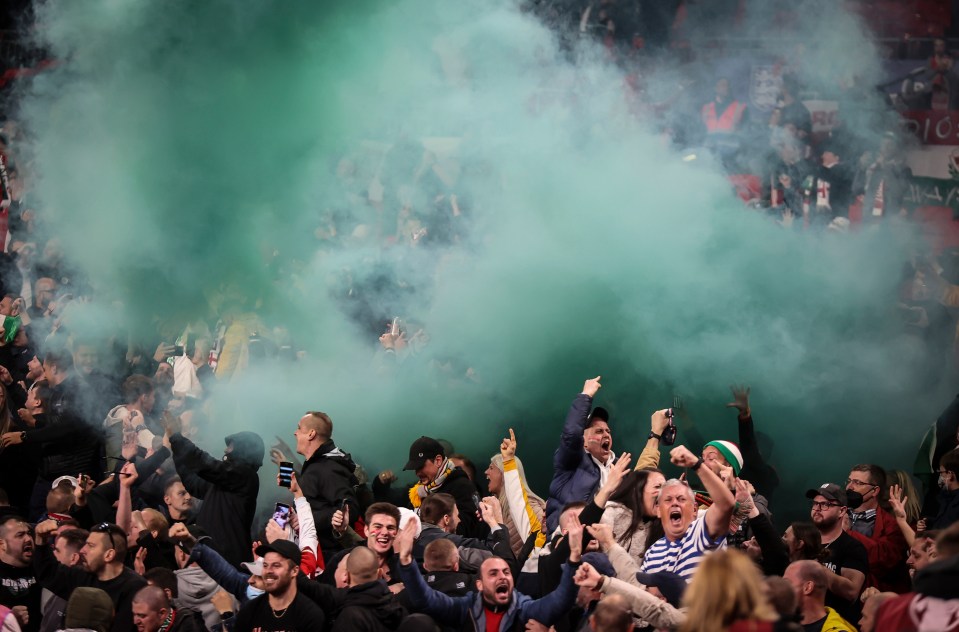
[[824, 505], [859, 483]]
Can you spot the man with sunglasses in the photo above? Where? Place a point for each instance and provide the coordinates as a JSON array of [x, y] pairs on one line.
[[877, 530], [101, 566], [845, 560]]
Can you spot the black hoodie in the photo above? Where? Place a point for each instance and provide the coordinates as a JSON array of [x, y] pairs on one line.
[[228, 487], [369, 606], [327, 480]]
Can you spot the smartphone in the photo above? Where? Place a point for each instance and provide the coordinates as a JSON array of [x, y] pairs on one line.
[[286, 473], [282, 515], [177, 350], [395, 327]]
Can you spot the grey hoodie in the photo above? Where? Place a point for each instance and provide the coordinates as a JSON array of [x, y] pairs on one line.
[[194, 590]]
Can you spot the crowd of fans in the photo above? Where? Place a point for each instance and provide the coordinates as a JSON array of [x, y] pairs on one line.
[[113, 518], [163, 539]]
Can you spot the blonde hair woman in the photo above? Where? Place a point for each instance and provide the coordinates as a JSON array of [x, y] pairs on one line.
[[727, 593]]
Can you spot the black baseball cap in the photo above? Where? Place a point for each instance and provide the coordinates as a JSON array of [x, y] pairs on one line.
[[599, 413], [835, 493], [422, 450], [284, 548]]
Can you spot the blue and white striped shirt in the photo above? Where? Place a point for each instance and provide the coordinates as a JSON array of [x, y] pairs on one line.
[[682, 556]]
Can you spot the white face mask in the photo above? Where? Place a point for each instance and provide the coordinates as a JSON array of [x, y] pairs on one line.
[[253, 593], [942, 482]]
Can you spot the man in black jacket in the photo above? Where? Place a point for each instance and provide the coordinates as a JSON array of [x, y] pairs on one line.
[[436, 474], [368, 603], [68, 443], [228, 487], [327, 479], [101, 566]]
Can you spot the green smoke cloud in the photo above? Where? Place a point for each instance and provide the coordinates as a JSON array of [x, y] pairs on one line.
[[188, 149]]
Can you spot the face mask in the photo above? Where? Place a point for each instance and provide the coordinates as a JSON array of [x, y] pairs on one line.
[[253, 593], [942, 482]]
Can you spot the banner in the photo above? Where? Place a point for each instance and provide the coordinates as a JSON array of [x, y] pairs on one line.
[[934, 192], [933, 127]]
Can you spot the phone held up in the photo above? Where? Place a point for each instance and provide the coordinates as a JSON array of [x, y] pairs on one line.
[[282, 515], [286, 473]]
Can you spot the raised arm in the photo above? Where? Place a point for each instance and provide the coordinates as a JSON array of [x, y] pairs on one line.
[[653, 610], [755, 468], [719, 513], [649, 457], [422, 596], [189, 458], [525, 519], [570, 450], [128, 476], [897, 501], [307, 539]]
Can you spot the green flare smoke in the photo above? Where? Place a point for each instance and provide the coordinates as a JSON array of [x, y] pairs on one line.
[[188, 149]]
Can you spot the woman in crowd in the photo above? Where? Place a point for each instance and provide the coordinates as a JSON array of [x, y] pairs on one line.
[[631, 512], [727, 595], [525, 512]]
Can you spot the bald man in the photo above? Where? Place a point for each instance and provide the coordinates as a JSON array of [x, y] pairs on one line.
[[327, 479], [808, 579], [368, 603]]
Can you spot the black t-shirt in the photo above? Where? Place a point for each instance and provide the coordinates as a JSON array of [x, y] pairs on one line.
[[302, 615], [815, 626], [19, 587], [846, 552]]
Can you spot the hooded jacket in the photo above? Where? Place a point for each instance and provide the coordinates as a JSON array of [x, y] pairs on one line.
[[370, 607], [228, 487], [195, 589], [327, 479]]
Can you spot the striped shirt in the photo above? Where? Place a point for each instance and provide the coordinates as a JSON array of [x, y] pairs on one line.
[[682, 556]]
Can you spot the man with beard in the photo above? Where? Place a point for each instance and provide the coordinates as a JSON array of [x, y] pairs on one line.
[[282, 608], [688, 538], [228, 487], [584, 458], [153, 611], [846, 558], [495, 604], [101, 566], [19, 589]]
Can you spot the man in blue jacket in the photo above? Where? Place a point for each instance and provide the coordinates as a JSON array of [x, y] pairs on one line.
[[584, 457], [495, 604]]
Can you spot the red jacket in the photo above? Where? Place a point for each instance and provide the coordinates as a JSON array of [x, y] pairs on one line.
[[909, 613], [887, 554]]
